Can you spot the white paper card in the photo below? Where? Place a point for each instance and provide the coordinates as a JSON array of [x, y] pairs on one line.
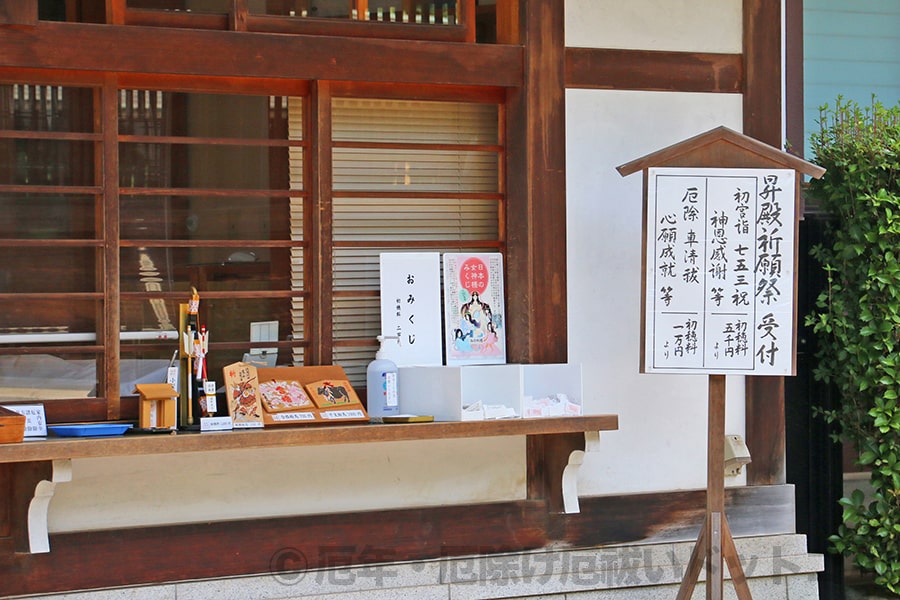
[[215, 423], [35, 419]]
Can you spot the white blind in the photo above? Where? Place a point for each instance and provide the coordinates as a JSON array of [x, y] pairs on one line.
[[424, 172], [295, 165]]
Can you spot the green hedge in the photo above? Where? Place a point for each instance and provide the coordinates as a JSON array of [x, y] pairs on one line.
[[857, 318]]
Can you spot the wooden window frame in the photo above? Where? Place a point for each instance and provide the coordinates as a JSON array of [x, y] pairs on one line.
[[239, 18], [318, 341]]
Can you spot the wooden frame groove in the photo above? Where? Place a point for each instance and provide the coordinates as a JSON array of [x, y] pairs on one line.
[[648, 70]]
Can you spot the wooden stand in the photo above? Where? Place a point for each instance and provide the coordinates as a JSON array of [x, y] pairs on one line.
[[715, 542]]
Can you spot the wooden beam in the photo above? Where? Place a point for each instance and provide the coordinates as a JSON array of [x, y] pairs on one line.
[[159, 50], [96, 559], [645, 70], [659, 517], [147, 555]]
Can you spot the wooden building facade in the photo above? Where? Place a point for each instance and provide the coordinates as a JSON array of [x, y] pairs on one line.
[[151, 146]]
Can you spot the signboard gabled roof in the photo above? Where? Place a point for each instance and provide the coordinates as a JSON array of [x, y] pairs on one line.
[[721, 147]]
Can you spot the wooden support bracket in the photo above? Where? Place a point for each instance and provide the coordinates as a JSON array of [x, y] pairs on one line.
[[39, 507], [553, 464]]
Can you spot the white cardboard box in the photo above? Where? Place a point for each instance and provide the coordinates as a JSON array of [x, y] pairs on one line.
[[461, 393], [477, 392], [552, 390]]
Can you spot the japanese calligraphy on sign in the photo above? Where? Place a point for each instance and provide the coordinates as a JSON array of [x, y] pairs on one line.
[[475, 328], [719, 268], [411, 306]]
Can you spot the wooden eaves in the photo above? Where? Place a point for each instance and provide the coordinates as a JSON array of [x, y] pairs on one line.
[[722, 142]]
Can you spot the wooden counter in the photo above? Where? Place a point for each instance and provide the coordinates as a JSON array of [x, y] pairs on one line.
[[132, 444], [555, 450]]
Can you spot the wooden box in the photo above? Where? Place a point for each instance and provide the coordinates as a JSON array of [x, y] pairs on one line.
[[158, 408], [349, 411], [12, 426]]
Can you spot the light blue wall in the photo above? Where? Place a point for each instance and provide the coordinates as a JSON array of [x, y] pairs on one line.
[[851, 48]]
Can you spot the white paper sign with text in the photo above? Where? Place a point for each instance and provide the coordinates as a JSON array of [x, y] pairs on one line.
[[411, 307], [719, 281]]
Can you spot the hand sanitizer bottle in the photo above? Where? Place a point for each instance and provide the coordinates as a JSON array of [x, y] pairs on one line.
[[381, 382]]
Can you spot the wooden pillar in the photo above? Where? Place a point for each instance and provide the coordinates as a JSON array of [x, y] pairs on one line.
[[318, 218], [536, 186], [763, 121], [19, 13]]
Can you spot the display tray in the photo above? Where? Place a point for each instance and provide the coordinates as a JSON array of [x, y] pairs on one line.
[[90, 429]]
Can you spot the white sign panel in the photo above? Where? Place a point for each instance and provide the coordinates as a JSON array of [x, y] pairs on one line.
[[719, 271], [411, 307]]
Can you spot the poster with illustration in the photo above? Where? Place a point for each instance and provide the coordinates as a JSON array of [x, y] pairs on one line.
[[474, 322]]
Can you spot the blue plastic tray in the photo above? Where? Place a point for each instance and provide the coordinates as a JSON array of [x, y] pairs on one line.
[[89, 429]]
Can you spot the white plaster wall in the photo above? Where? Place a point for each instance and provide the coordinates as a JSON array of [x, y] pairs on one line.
[[679, 25], [179, 488], [661, 442]]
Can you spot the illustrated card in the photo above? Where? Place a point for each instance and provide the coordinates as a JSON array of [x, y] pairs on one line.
[[242, 392], [475, 327], [331, 393]]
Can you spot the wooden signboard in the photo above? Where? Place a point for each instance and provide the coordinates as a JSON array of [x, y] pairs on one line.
[[720, 228]]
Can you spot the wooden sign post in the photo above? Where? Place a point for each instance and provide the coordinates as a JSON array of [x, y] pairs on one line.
[[721, 215]]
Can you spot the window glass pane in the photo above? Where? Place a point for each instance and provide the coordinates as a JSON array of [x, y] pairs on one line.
[[155, 269], [226, 318], [26, 107], [302, 8], [227, 166], [142, 367], [47, 162], [49, 319], [150, 319], [206, 217], [198, 6], [49, 269], [186, 114], [397, 11], [42, 377], [46, 216], [206, 202]]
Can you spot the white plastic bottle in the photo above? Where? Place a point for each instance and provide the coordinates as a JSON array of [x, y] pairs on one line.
[[381, 383]]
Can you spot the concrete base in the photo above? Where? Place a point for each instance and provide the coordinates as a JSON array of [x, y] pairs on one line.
[[777, 568]]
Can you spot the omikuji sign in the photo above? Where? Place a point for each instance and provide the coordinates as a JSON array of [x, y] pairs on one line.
[[719, 271]]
